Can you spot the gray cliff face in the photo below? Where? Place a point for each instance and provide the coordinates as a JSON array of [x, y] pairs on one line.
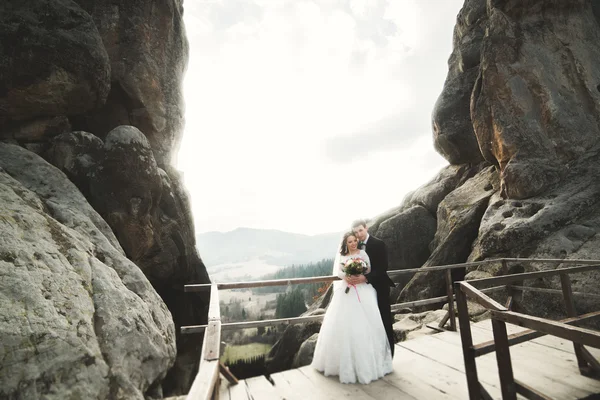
[[96, 235], [53, 65], [79, 319], [522, 94], [453, 132], [148, 50]]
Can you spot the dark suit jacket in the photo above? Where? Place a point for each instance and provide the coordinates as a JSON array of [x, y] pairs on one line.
[[381, 282], [377, 253]]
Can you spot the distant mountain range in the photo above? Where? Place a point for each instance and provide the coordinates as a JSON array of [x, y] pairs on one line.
[[270, 246]]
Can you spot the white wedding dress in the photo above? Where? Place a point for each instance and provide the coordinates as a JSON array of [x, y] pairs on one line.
[[352, 343]]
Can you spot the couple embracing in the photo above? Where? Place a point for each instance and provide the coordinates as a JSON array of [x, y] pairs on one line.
[[356, 339]]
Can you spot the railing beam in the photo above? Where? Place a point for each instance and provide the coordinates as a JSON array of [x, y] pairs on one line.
[[575, 334], [504, 280], [552, 291], [525, 336], [254, 324], [481, 298], [589, 264]]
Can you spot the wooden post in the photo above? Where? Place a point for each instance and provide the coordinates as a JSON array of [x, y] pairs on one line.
[[227, 374], [443, 321], [565, 282], [504, 267], [206, 383], [507, 380], [510, 299], [467, 343], [591, 360], [212, 335], [450, 293], [216, 392]]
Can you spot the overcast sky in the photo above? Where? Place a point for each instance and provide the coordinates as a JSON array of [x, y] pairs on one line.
[[303, 115]]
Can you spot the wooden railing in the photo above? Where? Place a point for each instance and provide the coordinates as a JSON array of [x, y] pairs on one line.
[[501, 314], [208, 376], [450, 315]]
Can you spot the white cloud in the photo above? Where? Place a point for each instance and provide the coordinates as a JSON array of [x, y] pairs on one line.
[[277, 92]]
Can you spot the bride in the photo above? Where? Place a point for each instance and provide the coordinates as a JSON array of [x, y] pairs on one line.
[[352, 343]]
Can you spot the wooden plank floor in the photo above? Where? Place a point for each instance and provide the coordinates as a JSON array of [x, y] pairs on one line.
[[431, 367]]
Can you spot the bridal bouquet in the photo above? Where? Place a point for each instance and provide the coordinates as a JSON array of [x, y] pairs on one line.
[[354, 266]]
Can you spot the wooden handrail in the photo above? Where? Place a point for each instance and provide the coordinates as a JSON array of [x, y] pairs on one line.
[[521, 337], [507, 279], [538, 327], [330, 278], [481, 298], [256, 284], [312, 318], [553, 291], [254, 324], [197, 287], [575, 334], [208, 372]]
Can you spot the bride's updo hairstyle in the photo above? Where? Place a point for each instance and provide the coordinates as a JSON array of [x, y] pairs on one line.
[[344, 246]]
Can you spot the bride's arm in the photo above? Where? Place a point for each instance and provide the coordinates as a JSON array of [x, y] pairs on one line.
[[337, 266], [341, 274]]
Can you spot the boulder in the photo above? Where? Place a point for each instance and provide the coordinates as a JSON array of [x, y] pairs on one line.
[[454, 136], [150, 215], [535, 105], [95, 88], [78, 319], [409, 229], [52, 62], [525, 121], [407, 236], [126, 189], [38, 130], [306, 352], [449, 178], [148, 51], [564, 216], [77, 155], [283, 353], [458, 218], [411, 326]]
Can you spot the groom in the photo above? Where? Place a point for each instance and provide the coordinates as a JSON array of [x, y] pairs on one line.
[[378, 276]]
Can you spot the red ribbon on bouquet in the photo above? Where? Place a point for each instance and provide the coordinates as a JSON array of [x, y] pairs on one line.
[[356, 290]]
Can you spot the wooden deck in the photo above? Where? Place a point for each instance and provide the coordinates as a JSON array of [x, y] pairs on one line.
[[431, 367]]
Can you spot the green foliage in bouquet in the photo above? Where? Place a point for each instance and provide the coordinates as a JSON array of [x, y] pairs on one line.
[[354, 266]]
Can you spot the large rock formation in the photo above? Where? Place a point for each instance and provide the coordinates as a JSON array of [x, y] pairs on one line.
[[146, 44], [523, 94], [97, 238], [53, 65], [79, 319]]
